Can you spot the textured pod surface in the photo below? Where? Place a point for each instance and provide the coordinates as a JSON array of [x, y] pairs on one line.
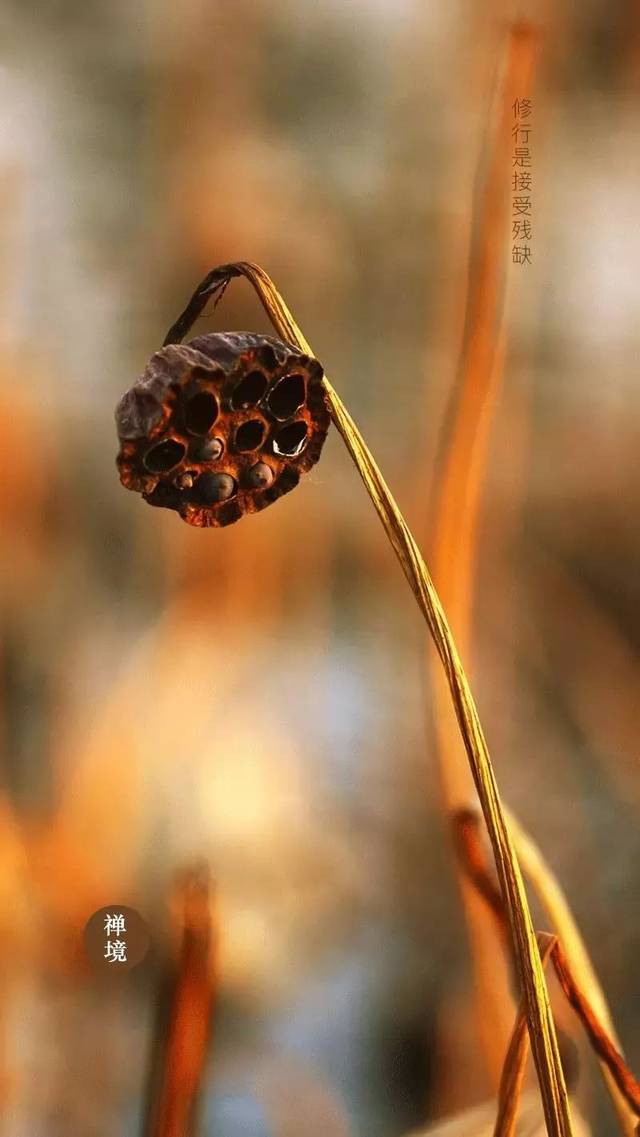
[[221, 426]]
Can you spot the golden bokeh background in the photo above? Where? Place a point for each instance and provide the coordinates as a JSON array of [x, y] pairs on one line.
[[261, 697]]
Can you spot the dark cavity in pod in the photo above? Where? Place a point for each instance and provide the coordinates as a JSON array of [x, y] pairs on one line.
[[287, 396], [249, 435], [200, 412], [290, 440], [164, 456], [249, 391]]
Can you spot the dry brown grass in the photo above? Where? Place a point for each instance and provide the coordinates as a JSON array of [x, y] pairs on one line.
[[515, 1061]]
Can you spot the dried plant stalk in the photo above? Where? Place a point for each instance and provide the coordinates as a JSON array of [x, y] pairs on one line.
[[459, 490], [479, 1120], [623, 1087], [515, 1061], [613, 1065], [184, 1050], [539, 1019], [555, 904]]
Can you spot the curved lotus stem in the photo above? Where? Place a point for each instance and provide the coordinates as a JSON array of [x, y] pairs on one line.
[[542, 1032]]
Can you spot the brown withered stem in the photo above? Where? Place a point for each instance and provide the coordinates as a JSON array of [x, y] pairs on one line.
[[549, 892], [183, 1049], [515, 1061], [457, 507], [472, 856], [526, 954]]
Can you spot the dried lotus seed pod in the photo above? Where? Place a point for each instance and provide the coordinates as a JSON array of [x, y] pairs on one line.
[[221, 426]]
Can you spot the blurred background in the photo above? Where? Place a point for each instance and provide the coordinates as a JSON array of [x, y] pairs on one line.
[[262, 698]]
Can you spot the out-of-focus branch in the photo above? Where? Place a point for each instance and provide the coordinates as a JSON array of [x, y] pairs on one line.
[[458, 505], [183, 1051]]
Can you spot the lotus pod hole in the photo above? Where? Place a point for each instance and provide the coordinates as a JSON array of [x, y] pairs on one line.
[[201, 411], [267, 357], [287, 396], [290, 439], [250, 434], [164, 456], [249, 391]]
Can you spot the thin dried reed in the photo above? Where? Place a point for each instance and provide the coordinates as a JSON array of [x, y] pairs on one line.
[[539, 1020], [515, 1061], [479, 1120], [555, 904], [577, 985]]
